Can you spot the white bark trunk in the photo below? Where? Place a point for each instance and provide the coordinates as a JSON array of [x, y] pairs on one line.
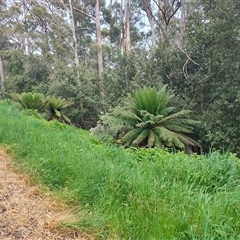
[[99, 38], [151, 21], [127, 26], [148, 9], [182, 23], [74, 34], [1, 78]]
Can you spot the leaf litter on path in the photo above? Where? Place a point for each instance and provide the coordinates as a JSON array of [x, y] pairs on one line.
[[26, 213]]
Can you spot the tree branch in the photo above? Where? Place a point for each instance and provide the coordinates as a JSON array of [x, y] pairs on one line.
[[163, 11], [169, 18], [86, 14], [185, 64]]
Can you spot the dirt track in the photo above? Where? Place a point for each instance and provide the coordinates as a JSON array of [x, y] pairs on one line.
[[25, 213]]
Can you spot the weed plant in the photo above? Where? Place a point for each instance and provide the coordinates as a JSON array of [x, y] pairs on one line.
[[127, 194]]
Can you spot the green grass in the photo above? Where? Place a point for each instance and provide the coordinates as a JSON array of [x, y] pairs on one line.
[[127, 194]]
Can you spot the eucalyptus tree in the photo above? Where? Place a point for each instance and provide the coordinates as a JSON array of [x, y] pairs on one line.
[[147, 7], [182, 21], [12, 24], [70, 14], [3, 40], [91, 11], [123, 26], [1, 78], [166, 19], [127, 47]]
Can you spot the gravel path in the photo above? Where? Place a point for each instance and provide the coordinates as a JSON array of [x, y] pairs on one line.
[[25, 212]]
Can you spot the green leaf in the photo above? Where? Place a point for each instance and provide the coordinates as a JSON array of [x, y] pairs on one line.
[[140, 138], [57, 113]]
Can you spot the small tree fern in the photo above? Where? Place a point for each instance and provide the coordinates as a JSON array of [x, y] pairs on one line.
[[55, 106], [29, 100], [146, 120]]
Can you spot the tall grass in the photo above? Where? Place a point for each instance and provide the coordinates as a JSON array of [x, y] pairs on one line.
[[127, 194]]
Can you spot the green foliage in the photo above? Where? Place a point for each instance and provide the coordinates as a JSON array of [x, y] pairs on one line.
[[55, 106], [24, 73], [118, 82], [105, 132], [32, 113], [127, 193], [64, 83], [150, 100], [201, 66], [146, 120], [37, 102], [34, 101], [213, 44], [56, 125]]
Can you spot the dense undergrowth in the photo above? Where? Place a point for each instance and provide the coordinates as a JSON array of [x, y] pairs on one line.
[[127, 193]]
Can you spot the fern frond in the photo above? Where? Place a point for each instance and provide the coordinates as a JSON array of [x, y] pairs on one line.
[[150, 99], [167, 110], [146, 124], [30, 100], [188, 140], [151, 138], [140, 138], [152, 123], [175, 115], [169, 137], [57, 103], [177, 128], [125, 114], [128, 138]]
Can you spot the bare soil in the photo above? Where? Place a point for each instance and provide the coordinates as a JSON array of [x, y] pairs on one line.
[[28, 213]]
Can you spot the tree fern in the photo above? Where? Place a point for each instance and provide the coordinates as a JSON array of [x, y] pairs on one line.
[[148, 121], [55, 106], [29, 100]]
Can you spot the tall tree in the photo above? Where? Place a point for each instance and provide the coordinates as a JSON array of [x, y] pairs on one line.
[[92, 11], [146, 5], [75, 48], [1, 78], [127, 27], [99, 38], [182, 22], [167, 10]]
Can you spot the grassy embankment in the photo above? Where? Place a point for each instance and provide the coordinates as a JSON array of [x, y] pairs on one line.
[[118, 193]]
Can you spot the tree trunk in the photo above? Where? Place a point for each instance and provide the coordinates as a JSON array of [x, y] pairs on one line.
[[127, 26], [99, 48], [99, 38], [75, 48], [1, 78], [182, 23], [147, 8], [151, 21], [167, 10]]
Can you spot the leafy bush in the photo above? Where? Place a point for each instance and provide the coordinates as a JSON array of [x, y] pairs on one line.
[[32, 113], [56, 125]]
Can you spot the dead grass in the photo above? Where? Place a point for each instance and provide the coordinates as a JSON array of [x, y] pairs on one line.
[[27, 213]]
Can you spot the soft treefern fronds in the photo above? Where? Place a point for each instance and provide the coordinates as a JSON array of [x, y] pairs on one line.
[[56, 105], [152, 123], [29, 100]]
